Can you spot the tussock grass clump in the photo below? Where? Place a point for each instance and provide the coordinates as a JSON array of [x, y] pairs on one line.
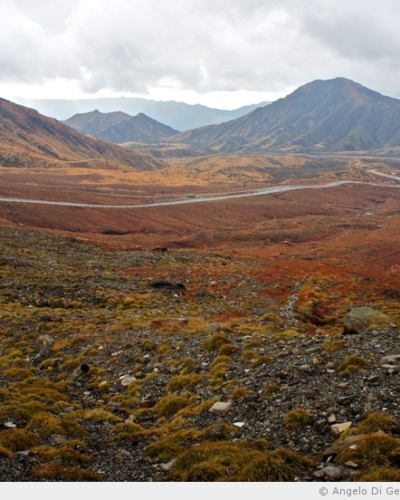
[[64, 453], [216, 342], [221, 360], [226, 349], [45, 395], [170, 446], [4, 452], [218, 372], [17, 409], [101, 415], [5, 394], [254, 343], [262, 360], [249, 355], [352, 364], [297, 418], [239, 393], [371, 451], [183, 381], [45, 425], [126, 430], [149, 345], [277, 466], [164, 349], [272, 389], [238, 461], [287, 334], [170, 405], [375, 422], [18, 439], [61, 472], [19, 373], [218, 431], [334, 346], [379, 475]]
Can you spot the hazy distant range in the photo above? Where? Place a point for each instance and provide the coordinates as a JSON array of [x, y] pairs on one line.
[[177, 115]]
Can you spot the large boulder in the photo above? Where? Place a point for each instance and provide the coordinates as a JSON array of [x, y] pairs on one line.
[[361, 319]]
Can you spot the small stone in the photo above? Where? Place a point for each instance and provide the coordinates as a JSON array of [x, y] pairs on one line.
[[338, 429], [345, 400], [239, 424], [333, 473], [351, 464], [58, 438], [127, 380], [332, 418], [345, 443], [360, 319], [169, 465], [391, 358], [392, 368]]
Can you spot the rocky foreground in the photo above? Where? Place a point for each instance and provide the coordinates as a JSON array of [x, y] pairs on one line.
[[111, 364]]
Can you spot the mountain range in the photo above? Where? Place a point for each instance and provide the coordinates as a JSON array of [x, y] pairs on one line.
[[322, 117], [29, 139], [178, 115], [330, 116]]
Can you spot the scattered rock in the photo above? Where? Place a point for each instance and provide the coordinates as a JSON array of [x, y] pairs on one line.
[[127, 380], [345, 443], [333, 473], [338, 429], [360, 319]]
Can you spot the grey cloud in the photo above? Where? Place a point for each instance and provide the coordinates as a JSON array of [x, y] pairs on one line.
[[203, 46]]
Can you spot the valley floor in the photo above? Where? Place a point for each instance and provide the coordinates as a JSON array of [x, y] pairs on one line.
[[119, 331]]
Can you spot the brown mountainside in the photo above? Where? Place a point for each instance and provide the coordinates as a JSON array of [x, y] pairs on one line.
[[29, 139], [323, 116]]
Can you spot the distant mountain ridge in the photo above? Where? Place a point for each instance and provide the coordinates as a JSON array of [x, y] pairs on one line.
[[178, 115], [120, 127], [329, 116], [29, 139]]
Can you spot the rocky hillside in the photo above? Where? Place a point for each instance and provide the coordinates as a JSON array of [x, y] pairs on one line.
[[28, 139], [112, 362], [323, 116]]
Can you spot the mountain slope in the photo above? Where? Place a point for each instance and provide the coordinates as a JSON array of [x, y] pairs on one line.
[[119, 127], [30, 139], [322, 116], [178, 115]]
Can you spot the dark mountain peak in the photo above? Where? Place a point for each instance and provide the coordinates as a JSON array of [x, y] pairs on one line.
[[320, 116]]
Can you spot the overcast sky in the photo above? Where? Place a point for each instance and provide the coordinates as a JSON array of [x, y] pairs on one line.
[[222, 53]]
